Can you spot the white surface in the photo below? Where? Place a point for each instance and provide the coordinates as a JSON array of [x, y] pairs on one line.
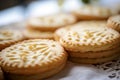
[[79, 72], [11, 15]]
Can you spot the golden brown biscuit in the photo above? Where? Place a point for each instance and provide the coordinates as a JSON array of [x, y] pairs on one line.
[[82, 24], [91, 39], [33, 57], [88, 42], [9, 37], [89, 12], [114, 22], [51, 22]]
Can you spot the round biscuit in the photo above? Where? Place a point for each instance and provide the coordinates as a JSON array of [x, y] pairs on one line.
[[89, 12], [51, 22], [32, 56], [90, 38], [62, 31]]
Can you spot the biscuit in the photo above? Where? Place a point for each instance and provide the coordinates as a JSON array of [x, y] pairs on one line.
[[88, 12], [90, 39], [33, 57], [51, 22], [35, 34], [84, 24], [114, 22], [88, 42], [9, 37]]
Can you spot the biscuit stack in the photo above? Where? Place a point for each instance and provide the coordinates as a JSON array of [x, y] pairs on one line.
[[9, 37], [44, 27], [33, 59], [91, 44]]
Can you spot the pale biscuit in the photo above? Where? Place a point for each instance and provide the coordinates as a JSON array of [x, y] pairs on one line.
[[93, 60], [35, 34], [90, 39], [84, 24], [9, 37], [32, 57], [51, 22], [89, 12], [114, 22]]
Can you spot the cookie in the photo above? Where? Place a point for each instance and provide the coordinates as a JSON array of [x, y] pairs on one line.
[[89, 12], [9, 37], [61, 31], [114, 22], [85, 44], [33, 59], [35, 34], [90, 39], [51, 22]]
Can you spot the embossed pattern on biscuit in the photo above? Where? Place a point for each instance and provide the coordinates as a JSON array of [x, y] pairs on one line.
[[31, 53], [116, 18], [90, 36], [114, 22], [83, 24]]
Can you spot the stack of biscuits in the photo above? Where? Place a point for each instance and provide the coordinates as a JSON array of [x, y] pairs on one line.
[[91, 44], [44, 27]]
